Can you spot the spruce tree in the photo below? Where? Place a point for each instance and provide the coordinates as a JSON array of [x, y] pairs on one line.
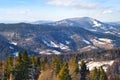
[[96, 74], [26, 64], [22, 67], [19, 67], [56, 64], [83, 70], [103, 75], [64, 73], [8, 67], [44, 64], [76, 65]]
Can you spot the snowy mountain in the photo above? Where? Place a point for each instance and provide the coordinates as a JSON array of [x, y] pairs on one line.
[[69, 35], [89, 24]]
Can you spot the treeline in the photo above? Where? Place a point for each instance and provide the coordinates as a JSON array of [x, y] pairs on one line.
[[24, 67], [59, 67]]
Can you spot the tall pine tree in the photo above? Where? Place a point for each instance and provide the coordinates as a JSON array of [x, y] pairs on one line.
[[64, 73], [83, 71]]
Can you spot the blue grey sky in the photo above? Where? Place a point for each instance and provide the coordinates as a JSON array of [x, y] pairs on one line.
[[33, 10]]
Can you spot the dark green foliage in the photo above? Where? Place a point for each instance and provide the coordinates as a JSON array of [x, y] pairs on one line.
[[22, 67], [83, 71], [98, 74], [64, 73], [103, 75], [76, 65], [8, 67], [56, 64], [95, 74], [63, 67]]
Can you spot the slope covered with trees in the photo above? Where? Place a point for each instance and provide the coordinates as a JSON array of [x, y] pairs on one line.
[[58, 67]]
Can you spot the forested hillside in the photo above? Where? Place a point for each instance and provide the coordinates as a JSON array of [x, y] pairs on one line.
[[61, 67]]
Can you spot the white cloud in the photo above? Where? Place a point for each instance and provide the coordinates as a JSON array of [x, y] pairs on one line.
[[107, 12], [14, 14], [73, 4]]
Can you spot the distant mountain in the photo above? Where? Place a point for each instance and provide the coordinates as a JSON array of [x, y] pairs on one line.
[[69, 35], [42, 22], [114, 23], [89, 24]]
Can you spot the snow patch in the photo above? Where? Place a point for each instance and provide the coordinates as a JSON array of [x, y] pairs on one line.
[[15, 54], [92, 64], [64, 47], [88, 48], [105, 40], [96, 24], [45, 42], [51, 44], [28, 39], [14, 43], [11, 47], [60, 45], [87, 42], [48, 52], [67, 42], [97, 41]]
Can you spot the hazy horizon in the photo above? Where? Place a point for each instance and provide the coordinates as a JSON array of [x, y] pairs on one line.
[[55, 10]]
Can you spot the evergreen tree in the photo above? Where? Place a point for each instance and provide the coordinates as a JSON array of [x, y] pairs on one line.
[[64, 73], [103, 75], [56, 64], [22, 67], [8, 67], [76, 65], [83, 70], [44, 64], [26, 64], [35, 67], [96, 74], [19, 58], [19, 68]]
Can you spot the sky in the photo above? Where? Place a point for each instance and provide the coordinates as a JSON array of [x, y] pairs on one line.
[[33, 10]]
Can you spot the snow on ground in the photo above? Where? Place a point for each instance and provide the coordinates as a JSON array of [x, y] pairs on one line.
[[50, 52], [11, 47], [109, 32], [96, 24], [86, 41], [102, 43], [60, 45], [97, 41], [28, 39], [50, 44], [67, 42], [56, 52], [45, 42], [53, 44], [93, 30], [88, 48], [15, 54], [91, 65], [64, 47], [105, 40], [14, 43]]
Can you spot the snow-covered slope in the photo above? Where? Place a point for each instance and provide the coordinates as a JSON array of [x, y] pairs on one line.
[[92, 64], [69, 35], [89, 24]]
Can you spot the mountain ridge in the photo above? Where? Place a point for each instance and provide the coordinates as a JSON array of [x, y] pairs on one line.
[[57, 39]]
